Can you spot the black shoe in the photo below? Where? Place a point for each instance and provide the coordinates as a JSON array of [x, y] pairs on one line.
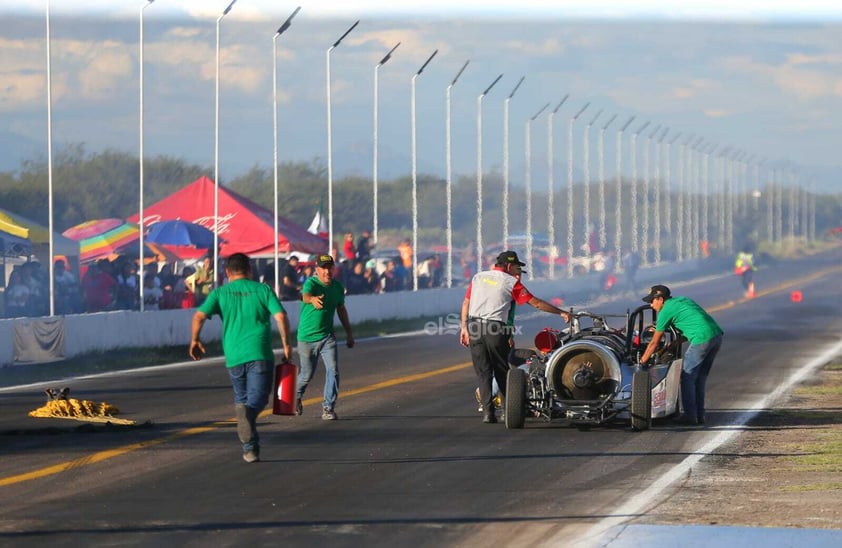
[[489, 417], [686, 420], [700, 421]]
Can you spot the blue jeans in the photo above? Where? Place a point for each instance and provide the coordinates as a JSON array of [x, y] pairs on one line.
[[694, 374], [309, 353], [252, 383]]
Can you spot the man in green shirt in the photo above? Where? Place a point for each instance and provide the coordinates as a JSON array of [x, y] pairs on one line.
[[705, 338], [321, 298], [246, 308]]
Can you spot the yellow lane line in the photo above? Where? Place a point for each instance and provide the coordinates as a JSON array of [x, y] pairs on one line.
[[111, 453]]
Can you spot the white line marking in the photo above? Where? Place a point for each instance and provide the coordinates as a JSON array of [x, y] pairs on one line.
[[639, 502]]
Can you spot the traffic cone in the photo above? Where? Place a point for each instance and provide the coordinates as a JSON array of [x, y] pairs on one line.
[[796, 296], [750, 293]]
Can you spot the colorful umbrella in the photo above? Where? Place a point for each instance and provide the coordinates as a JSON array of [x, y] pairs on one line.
[[177, 232], [103, 245], [89, 229]]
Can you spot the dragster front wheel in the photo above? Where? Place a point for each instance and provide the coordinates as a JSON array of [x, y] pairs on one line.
[[641, 401], [515, 398]]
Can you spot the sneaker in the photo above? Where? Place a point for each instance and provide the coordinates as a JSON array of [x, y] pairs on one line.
[[251, 456], [328, 414], [489, 417], [299, 409]]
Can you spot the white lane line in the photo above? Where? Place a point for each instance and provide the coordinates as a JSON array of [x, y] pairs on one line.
[[638, 503]]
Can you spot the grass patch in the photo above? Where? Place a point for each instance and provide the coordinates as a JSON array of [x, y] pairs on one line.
[[133, 358], [823, 454], [814, 487], [819, 390]]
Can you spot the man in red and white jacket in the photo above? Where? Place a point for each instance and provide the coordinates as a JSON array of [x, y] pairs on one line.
[[487, 326]]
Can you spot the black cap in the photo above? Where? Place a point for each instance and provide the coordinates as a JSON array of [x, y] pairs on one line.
[[508, 257], [324, 261], [657, 291]]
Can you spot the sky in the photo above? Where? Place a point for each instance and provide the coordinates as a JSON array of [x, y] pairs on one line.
[[764, 78]]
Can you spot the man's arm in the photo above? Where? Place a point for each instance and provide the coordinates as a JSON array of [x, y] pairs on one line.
[[342, 312], [544, 306], [282, 320], [650, 348], [197, 349], [463, 330]]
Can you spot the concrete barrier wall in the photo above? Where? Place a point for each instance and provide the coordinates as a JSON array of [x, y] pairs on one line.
[[103, 331]]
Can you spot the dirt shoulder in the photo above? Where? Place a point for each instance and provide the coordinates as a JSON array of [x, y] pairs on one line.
[[785, 470]]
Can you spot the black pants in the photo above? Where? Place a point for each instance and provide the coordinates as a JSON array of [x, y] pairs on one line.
[[490, 355]]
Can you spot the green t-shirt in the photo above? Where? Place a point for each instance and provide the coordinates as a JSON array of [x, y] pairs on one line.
[[246, 308], [313, 324], [689, 318]]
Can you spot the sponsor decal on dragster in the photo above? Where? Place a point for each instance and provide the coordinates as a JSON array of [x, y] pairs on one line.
[[659, 398]]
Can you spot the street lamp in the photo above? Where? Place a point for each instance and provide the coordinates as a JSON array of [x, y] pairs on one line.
[[415, 178], [280, 31], [330, 142], [586, 198], [449, 186], [657, 205], [216, 155], [551, 186], [646, 206], [570, 190], [528, 183], [618, 226], [603, 236], [634, 238], [50, 161], [376, 127], [479, 171], [145, 5], [506, 163], [668, 181]]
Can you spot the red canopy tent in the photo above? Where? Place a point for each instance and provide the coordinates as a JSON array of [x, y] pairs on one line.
[[245, 226]]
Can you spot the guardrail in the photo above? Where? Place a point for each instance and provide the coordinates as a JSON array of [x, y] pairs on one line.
[[102, 331]]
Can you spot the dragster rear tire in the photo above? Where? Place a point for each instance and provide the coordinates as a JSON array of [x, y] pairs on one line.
[[641, 401], [515, 398]]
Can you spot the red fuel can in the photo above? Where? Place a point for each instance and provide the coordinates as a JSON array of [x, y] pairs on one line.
[[286, 376]]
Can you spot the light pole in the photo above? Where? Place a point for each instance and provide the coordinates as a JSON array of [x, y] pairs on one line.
[[506, 163], [570, 189], [449, 185], [645, 229], [216, 155], [376, 142], [50, 160], [479, 171], [551, 187], [145, 5], [415, 178], [528, 189], [586, 146], [603, 236], [679, 206], [280, 31], [330, 142], [668, 189], [634, 237], [618, 227], [657, 207]]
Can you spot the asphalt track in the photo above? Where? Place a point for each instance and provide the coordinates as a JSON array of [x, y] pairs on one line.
[[408, 463]]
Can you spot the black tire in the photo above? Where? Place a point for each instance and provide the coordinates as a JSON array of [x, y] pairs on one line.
[[641, 401], [515, 398]]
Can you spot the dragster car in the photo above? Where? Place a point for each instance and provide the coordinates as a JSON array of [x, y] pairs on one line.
[[589, 373]]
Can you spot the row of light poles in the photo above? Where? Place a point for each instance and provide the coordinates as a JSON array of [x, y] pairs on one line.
[[731, 169]]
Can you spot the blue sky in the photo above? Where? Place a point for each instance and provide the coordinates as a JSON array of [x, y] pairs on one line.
[[763, 77]]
